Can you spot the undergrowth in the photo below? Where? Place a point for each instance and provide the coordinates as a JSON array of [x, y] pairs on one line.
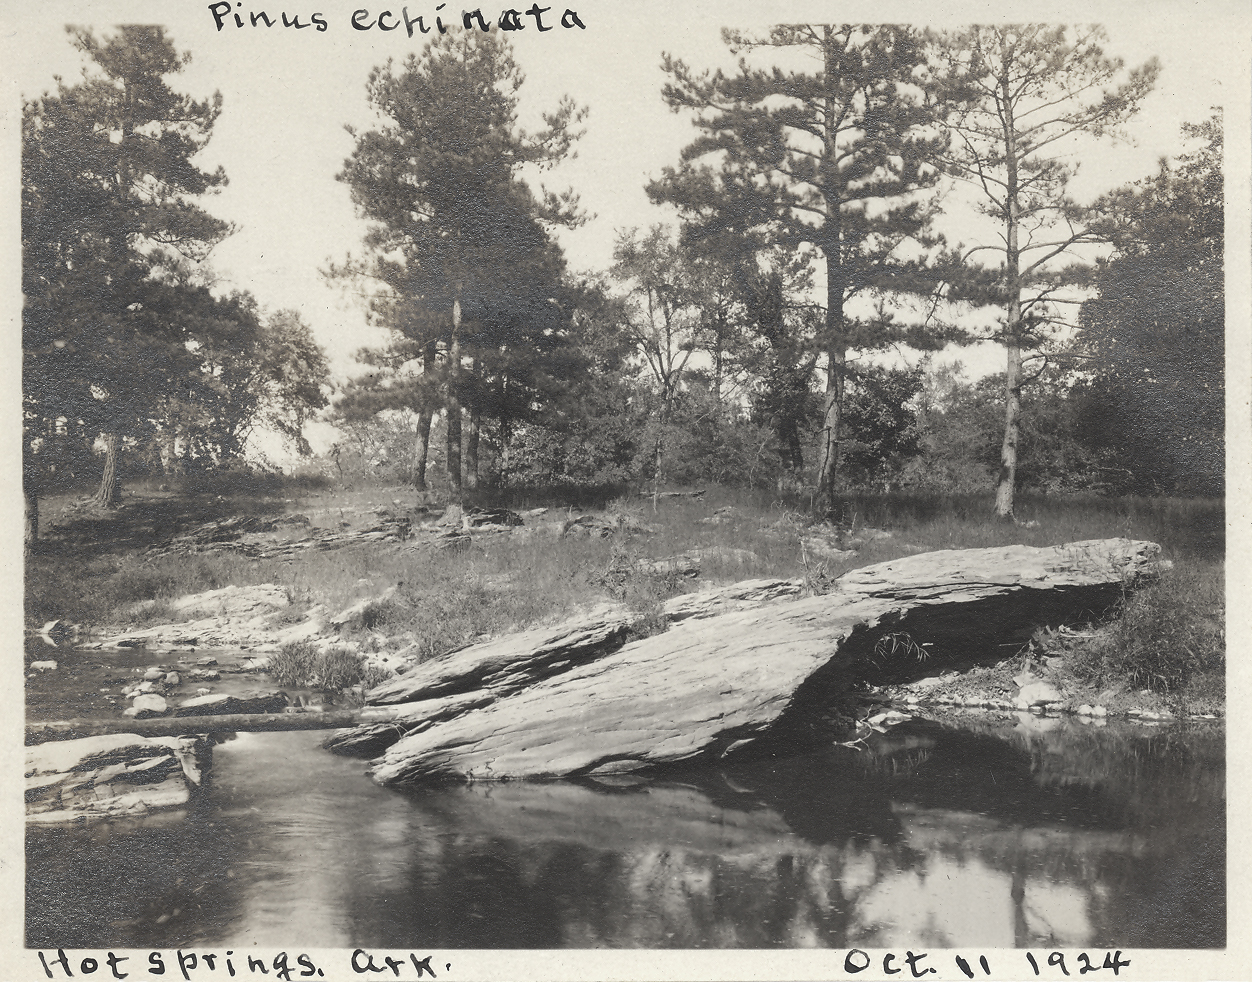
[[1168, 637], [445, 600], [301, 665]]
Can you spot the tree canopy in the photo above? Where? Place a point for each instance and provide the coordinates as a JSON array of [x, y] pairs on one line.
[[837, 158], [111, 233], [1011, 97], [459, 245], [1155, 331], [122, 334]]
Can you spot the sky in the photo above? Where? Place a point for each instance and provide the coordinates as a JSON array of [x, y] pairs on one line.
[[289, 93]]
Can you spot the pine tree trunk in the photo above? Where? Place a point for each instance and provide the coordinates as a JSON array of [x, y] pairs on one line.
[[1008, 449], [835, 341], [421, 442], [471, 437], [505, 456], [167, 451], [421, 449], [471, 450], [718, 359], [1013, 323], [107, 495], [453, 400], [832, 421]]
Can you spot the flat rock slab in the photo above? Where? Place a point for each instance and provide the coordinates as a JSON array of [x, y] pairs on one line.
[[709, 686], [232, 617], [112, 775]]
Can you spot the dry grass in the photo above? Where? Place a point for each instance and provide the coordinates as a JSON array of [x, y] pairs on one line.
[[1169, 638], [443, 600]]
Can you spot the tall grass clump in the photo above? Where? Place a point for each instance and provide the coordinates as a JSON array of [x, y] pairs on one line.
[[1167, 637], [293, 664], [339, 668], [301, 665]]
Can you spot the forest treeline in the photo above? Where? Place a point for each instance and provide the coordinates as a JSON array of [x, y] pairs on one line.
[[756, 341]]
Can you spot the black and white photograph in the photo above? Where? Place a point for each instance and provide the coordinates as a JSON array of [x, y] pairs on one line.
[[626, 490]]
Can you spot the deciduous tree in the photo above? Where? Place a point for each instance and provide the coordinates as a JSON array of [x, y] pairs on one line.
[[1155, 332]]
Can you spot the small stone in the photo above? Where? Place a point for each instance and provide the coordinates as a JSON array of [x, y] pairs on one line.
[[1085, 710], [149, 703], [172, 678], [152, 674], [1099, 711], [43, 666], [1040, 693], [207, 660]]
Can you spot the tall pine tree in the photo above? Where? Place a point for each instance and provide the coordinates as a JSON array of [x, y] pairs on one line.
[[836, 158], [111, 232], [1015, 95], [457, 240]]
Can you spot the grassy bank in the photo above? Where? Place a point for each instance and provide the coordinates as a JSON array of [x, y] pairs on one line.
[[92, 569]]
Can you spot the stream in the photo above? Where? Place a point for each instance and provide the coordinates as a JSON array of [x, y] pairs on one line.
[[997, 832]]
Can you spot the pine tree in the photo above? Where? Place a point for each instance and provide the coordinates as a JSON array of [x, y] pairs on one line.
[[111, 233], [837, 158], [1014, 96], [458, 242]]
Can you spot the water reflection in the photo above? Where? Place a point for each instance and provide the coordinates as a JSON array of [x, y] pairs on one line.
[[986, 836]]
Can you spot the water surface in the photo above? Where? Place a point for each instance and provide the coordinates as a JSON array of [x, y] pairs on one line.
[[1024, 832]]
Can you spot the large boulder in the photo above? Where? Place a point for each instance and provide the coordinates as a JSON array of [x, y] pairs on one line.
[[711, 686]]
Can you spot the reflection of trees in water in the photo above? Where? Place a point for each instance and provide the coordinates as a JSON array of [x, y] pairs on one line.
[[785, 852], [554, 865], [655, 896], [1104, 838], [1134, 818]]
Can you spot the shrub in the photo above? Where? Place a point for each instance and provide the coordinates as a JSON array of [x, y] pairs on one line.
[[375, 676], [1164, 636], [301, 665]]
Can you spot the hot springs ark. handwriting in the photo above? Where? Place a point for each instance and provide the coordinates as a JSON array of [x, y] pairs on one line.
[[537, 17]]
